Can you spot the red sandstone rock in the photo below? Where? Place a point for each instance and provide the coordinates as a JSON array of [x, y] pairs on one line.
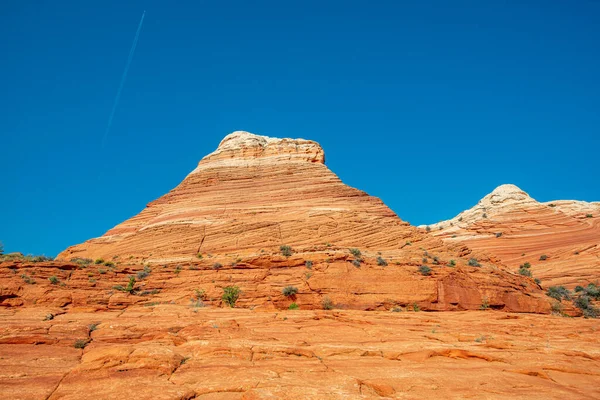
[[513, 228]]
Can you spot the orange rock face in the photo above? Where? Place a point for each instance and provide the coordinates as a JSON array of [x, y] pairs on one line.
[[175, 352], [255, 194], [332, 314], [560, 239]]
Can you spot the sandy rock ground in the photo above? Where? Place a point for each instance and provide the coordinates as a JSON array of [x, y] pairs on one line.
[[184, 352]]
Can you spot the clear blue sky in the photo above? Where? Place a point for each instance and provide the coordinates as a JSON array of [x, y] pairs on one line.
[[428, 105]]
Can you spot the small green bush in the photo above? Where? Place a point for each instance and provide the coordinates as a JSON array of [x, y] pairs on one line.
[[543, 257], [231, 295], [558, 293], [81, 343], [452, 263], [589, 216], [99, 261], [82, 261], [217, 266], [308, 264], [523, 270], [381, 262], [499, 234], [428, 229], [356, 263], [473, 262], [289, 291], [326, 303], [285, 250], [109, 264], [355, 252], [53, 280], [425, 270], [293, 306]]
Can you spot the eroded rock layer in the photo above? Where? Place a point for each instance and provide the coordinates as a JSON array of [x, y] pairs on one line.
[[253, 193], [174, 352], [560, 239]]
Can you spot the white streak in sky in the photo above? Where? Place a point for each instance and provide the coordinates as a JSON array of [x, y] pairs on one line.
[[123, 78]]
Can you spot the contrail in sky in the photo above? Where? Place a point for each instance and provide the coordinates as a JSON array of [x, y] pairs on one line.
[[123, 78]]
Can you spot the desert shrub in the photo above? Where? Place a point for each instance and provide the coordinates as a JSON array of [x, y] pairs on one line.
[[130, 288], [198, 303], [485, 304], [36, 259], [99, 261], [578, 289], [101, 271], [81, 343], [424, 260], [93, 327], [499, 234], [231, 295], [584, 303], [53, 280], [200, 294], [415, 307], [557, 307], [199, 255], [82, 261], [381, 262], [524, 270], [425, 270], [588, 215], [308, 264], [355, 252], [293, 306], [149, 292], [436, 260], [144, 273], [484, 215], [217, 266], [285, 250], [178, 269], [397, 309], [473, 262], [289, 291], [109, 264], [543, 257], [141, 275], [537, 281], [27, 279], [591, 290], [558, 293], [130, 284], [326, 303], [356, 263], [452, 263], [428, 229]]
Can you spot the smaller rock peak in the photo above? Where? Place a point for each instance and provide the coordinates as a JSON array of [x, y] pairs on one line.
[[508, 191]]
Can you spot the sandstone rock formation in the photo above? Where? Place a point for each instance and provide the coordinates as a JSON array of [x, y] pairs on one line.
[[139, 312], [560, 239], [173, 352], [255, 194]]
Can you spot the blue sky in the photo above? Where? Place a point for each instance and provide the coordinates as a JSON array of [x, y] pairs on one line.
[[428, 105]]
